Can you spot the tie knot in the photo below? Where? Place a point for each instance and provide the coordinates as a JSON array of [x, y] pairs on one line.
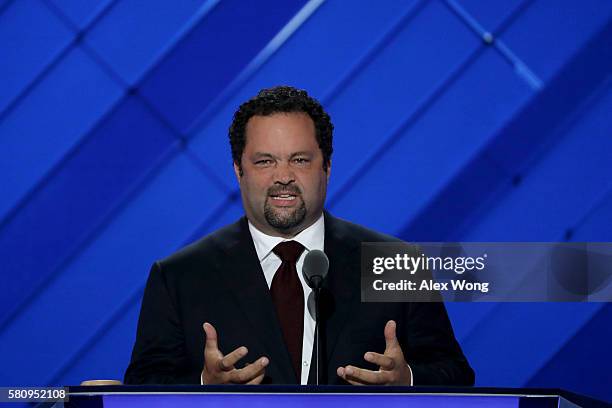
[[289, 251]]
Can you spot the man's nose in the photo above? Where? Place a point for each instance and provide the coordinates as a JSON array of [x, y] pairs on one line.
[[284, 174]]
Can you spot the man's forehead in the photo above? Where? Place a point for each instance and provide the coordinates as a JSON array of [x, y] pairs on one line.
[[281, 131], [280, 117], [263, 153]]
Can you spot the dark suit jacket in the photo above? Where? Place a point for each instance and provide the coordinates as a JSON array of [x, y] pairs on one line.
[[219, 280]]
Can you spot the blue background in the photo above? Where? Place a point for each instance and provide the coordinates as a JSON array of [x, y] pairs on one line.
[[458, 120]]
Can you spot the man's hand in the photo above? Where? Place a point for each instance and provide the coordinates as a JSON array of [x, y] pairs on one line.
[[219, 369], [393, 367]]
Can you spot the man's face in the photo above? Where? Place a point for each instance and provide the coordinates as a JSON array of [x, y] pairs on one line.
[[283, 184]]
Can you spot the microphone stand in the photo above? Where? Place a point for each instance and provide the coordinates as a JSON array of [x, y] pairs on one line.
[[316, 266], [316, 287]]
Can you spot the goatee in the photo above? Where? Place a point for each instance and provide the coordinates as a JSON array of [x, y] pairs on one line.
[[284, 219]]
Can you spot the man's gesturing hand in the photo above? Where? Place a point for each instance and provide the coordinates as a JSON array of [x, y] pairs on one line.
[[219, 369], [393, 367]]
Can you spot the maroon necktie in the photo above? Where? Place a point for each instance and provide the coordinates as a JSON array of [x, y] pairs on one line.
[[288, 298]]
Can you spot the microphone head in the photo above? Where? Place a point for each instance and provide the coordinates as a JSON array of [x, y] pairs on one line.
[[316, 265]]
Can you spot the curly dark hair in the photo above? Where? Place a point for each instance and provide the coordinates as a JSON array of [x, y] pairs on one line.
[[285, 99]]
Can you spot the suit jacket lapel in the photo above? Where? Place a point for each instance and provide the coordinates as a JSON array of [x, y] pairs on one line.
[[244, 277]]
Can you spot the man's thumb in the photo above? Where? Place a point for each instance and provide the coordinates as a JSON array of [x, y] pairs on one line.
[[211, 337], [390, 334]]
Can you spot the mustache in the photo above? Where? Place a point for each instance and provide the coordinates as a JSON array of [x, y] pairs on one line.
[[290, 189]]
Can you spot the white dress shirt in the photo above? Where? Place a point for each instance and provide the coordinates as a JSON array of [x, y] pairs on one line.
[[312, 238]]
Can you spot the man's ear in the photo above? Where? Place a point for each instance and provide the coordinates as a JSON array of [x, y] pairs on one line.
[[237, 171], [328, 170]]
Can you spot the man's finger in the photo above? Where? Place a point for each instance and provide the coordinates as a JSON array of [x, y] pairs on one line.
[[390, 336], [364, 376], [341, 373], [227, 363], [384, 362], [259, 378], [250, 372], [211, 337]]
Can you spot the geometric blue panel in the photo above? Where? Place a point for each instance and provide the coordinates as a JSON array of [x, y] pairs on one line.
[[595, 224], [533, 130], [466, 316], [81, 12], [200, 66], [131, 36], [106, 355], [107, 352], [323, 44], [395, 85], [588, 351], [489, 14], [25, 53], [65, 209], [558, 190], [570, 181], [224, 213], [321, 39], [557, 105], [546, 37], [517, 339], [472, 111], [109, 270], [71, 99], [437, 144]]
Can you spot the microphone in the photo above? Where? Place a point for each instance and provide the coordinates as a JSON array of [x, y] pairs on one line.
[[314, 270], [316, 265]]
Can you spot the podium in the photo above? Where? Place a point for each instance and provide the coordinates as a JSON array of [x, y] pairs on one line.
[[280, 396]]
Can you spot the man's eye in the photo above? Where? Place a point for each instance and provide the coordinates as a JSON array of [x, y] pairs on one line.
[[301, 160], [264, 162]]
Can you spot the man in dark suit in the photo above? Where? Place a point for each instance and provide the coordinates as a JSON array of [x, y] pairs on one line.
[[244, 281]]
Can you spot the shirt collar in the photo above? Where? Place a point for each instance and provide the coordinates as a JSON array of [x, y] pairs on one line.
[[312, 238]]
